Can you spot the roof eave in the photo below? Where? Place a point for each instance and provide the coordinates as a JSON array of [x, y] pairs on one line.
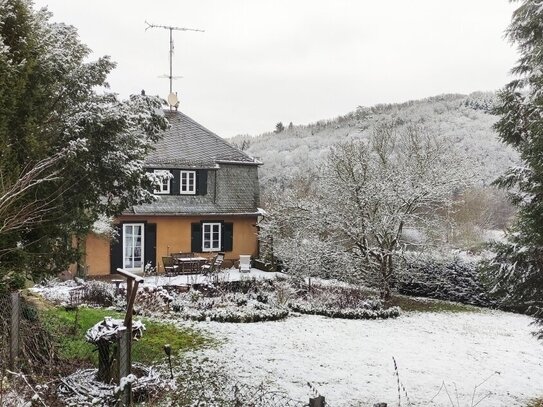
[[140, 214], [255, 162]]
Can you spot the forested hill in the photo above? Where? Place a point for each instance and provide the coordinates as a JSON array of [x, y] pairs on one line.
[[465, 120]]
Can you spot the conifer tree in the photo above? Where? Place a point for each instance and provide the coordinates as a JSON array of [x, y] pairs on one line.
[[69, 149], [517, 270]]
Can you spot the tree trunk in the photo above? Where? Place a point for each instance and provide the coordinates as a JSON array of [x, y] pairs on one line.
[[385, 283], [104, 363], [387, 271]]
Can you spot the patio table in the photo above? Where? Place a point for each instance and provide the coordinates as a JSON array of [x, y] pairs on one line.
[[190, 264]]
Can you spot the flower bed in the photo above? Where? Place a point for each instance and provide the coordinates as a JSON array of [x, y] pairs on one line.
[[342, 301], [236, 315], [229, 307], [305, 307]]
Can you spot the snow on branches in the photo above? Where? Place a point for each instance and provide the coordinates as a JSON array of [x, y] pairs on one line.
[[352, 213]]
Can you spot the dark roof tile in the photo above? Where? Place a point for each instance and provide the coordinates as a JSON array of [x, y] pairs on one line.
[[189, 143]]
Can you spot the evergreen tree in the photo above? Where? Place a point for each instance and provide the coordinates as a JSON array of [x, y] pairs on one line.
[[279, 127], [69, 149], [517, 269]]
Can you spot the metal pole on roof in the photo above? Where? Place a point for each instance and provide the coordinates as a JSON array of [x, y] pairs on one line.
[[172, 98]]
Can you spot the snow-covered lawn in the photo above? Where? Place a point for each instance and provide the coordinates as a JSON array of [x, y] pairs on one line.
[[350, 361]]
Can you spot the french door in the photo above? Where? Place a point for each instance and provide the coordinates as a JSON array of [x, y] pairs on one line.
[[133, 247]]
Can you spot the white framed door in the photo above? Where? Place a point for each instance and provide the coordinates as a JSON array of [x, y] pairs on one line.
[[133, 247]]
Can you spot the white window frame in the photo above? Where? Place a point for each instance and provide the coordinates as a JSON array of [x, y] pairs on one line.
[[142, 247], [164, 186], [188, 190], [217, 246]]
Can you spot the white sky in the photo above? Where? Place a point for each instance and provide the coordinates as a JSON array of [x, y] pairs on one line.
[[260, 62]]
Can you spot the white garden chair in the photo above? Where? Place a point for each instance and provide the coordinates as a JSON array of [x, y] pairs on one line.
[[244, 263]]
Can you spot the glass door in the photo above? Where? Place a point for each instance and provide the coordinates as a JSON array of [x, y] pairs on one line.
[[133, 247]]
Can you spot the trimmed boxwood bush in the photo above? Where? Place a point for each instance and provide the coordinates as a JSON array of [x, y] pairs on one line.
[[239, 315], [345, 313]]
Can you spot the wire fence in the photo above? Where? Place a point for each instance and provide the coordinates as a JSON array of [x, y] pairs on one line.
[[5, 329]]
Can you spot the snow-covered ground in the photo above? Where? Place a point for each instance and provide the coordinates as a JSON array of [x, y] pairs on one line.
[[350, 361]]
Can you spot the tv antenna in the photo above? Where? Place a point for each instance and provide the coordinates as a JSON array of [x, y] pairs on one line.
[[172, 97]]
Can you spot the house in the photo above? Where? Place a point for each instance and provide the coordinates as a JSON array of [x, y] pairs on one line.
[[209, 204]]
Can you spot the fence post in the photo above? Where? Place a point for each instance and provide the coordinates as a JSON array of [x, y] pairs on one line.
[[317, 402], [124, 365], [14, 332]]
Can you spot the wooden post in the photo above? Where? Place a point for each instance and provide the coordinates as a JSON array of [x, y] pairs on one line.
[[125, 340], [14, 332], [125, 367], [128, 289], [317, 402]]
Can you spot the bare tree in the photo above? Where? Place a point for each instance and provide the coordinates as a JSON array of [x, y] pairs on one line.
[[21, 204], [374, 188]]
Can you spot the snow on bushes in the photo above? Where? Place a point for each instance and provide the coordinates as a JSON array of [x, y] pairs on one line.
[[345, 313], [449, 278], [342, 302], [70, 292], [228, 307]]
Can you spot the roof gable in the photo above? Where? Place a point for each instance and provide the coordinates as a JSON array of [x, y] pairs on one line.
[[187, 142]]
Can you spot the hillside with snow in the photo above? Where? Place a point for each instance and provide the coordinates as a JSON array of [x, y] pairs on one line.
[[465, 120]]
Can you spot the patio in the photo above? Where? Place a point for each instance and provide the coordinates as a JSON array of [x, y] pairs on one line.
[[226, 275]]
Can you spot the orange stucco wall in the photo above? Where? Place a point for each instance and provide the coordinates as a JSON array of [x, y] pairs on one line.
[[174, 235], [97, 254]]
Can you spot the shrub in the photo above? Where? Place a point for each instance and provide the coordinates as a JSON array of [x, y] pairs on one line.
[[447, 278], [345, 313]]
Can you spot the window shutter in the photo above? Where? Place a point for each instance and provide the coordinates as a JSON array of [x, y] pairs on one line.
[[196, 237], [175, 182], [201, 182], [116, 250], [227, 238], [150, 244]]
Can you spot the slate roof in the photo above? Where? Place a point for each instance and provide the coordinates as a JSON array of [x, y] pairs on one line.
[[232, 175], [187, 142]]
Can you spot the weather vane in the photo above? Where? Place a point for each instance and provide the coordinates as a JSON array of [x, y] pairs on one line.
[[172, 97]]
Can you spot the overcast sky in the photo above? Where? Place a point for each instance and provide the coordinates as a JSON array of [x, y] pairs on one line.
[[260, 62]]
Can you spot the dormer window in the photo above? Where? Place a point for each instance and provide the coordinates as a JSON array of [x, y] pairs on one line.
[[164, 186], [188, 183]]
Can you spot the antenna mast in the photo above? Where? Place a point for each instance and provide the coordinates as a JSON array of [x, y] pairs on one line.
[[171, 97]]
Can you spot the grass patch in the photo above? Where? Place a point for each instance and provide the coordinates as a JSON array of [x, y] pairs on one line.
[[412, 304], [419, 304], [69, 327]]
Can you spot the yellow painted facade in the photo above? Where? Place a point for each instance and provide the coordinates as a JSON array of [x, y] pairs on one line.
[[173, 235]]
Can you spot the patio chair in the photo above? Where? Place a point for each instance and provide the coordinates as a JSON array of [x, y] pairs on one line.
[[215, 265], [244, 263], [169, 265]]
